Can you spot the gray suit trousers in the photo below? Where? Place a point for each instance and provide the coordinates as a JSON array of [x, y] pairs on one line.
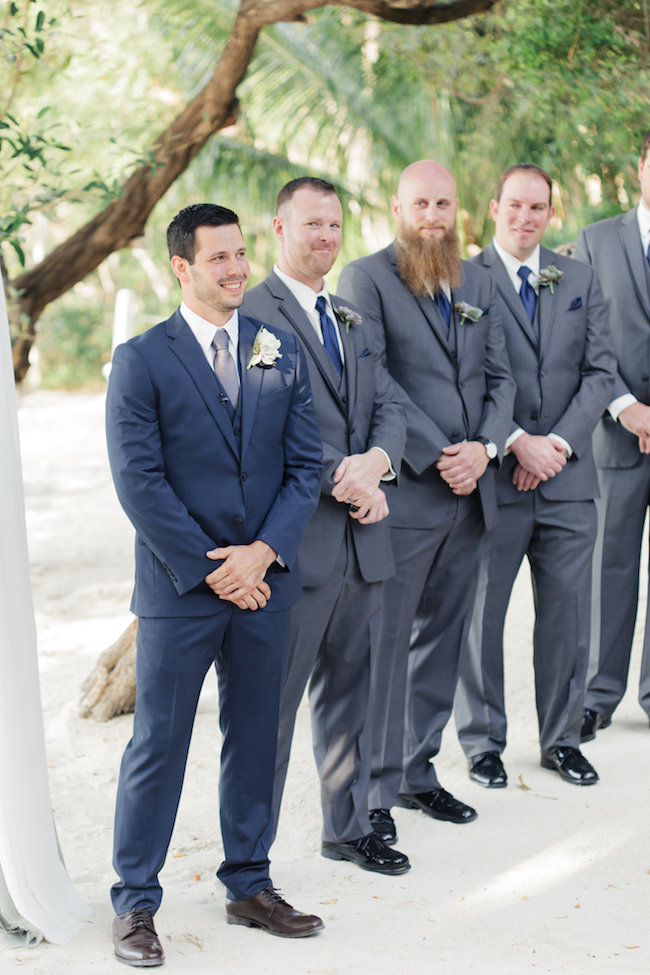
[[558, 539], [622, 507], [334, 631], [427, 608]]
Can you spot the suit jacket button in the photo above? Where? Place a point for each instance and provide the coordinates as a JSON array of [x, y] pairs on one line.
[[238, 520], [534, 415], [644, 379], [244, 475], [237, 431]]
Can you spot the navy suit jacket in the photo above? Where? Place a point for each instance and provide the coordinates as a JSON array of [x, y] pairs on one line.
[[456, 382], [352, 419], [564, 378], [190, 482]]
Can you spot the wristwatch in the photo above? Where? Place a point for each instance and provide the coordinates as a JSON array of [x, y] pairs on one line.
[[490, 447]]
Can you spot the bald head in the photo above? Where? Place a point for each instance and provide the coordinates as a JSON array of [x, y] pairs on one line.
[[426, 199]]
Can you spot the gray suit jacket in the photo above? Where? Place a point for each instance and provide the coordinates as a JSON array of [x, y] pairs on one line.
[[456, 383], [613, 248], [362, 414], [564, 380]]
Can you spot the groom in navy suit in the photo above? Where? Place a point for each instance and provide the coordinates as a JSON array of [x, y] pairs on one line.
[[216, 457]]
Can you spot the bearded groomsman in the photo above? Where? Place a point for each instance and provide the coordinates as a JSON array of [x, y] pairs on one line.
[[561, 356], [619, 251], [346, 554], [438, 332]]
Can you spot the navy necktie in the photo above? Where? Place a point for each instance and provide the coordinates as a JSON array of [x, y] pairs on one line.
[[527, 292], [647, 254], [329, 334], [442, 301]]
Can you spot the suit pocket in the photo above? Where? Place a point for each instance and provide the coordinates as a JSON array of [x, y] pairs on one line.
[[576, 303]]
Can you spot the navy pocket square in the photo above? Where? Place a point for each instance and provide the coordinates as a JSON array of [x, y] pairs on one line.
[[364, 353], [576, 303]]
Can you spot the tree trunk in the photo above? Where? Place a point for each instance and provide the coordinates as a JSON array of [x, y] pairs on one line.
[[214, 108], [109, 689]]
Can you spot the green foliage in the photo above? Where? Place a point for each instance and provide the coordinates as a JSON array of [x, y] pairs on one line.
[[74, 343]]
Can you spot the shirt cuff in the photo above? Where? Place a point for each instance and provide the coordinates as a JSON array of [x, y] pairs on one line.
[[515, 435], [618, 405], [390, 474], [568, 449]]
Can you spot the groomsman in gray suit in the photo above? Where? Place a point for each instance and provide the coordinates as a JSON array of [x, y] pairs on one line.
[[346, 554], [561, 356], [619, 251], [437, 330]]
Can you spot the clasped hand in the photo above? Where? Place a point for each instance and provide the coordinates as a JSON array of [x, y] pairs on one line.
[[540, 458], [240, 577], [356, 482], [461, 465]]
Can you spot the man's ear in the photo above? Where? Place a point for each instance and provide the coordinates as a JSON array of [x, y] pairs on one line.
[[179, 267]]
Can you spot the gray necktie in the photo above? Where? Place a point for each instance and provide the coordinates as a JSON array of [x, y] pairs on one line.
[[224, 366]]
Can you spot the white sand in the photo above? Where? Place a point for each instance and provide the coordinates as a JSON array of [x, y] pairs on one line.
[[550, 878]]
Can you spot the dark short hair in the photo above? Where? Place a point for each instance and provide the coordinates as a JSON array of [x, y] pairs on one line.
[[645, 145], [180, 233], [525, 168], [309, 182]]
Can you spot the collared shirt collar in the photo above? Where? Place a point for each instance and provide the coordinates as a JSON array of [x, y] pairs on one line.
[[306, 298], [512, 264], [304, 295], [204, 331]]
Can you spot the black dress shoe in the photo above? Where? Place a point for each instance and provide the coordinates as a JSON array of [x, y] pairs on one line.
[[370, 853], [571, 764], [267, 910], [135, 940], [383, 825], [439, 804], [592, 722], [487, 769]]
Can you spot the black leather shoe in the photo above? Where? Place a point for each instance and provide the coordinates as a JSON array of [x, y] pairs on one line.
[[267, 910], [439, 804], [135, 940], [487, 769], [571, 764], [383, 825], [370, 853], [592, 722]]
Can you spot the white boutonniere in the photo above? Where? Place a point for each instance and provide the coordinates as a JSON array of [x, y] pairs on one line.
[[547, 277], [347, 317], [467, 312], [266, 349]]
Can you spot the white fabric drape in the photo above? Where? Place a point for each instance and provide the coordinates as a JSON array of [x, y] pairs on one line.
[[37, 898]]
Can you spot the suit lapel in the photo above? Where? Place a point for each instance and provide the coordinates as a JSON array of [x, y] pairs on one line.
[[295, 315], [350, 365], [546, 303], [251, 379], [631, 240], [505, 288], [189, 352]]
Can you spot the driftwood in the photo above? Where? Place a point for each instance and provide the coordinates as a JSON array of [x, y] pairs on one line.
[[109, 689]]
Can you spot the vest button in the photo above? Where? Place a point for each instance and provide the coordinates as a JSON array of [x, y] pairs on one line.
[[238, 520]]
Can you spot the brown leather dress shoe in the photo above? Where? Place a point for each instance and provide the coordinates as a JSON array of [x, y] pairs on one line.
[[266, 909], [135, 940]]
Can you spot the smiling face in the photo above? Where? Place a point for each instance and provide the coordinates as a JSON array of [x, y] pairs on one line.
[[308, 230], [426, 199], [213, 285], [522, 213]]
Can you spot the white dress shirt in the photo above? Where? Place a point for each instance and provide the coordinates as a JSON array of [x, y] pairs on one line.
[[204, 333]]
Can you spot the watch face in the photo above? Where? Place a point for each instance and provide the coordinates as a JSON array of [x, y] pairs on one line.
[[491, 450]]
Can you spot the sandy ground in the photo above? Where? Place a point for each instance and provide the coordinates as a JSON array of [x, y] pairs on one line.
[[550, 878]]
